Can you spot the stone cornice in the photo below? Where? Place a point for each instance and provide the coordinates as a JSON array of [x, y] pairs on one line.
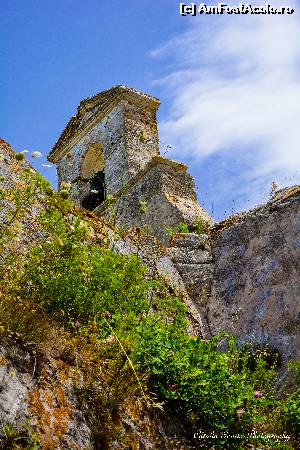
[[108, 99]]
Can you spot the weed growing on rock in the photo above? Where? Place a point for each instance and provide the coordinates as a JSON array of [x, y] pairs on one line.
[[14, 439], [199, 228]]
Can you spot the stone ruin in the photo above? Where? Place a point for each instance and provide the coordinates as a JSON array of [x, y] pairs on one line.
[[109, 153], [243, 277]]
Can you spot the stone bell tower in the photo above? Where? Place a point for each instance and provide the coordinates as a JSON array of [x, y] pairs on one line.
[[109, 151]]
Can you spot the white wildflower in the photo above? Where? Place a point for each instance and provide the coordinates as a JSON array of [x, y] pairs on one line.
[[1, 157], [66, 185], [36, 154], [93, 191], [110, 339]]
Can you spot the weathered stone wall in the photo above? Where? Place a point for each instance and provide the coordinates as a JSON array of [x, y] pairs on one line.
[[244, 278], [109, 133], [256, 284], [128, 136], [141, 136], [192, 257], [169, 195]]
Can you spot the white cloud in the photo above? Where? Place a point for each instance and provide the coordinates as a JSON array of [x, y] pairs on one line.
[[234, 90]]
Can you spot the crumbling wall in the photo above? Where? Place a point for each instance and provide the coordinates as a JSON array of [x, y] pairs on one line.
[[244, 277], [159, 197], [256, 284], [192, 257]]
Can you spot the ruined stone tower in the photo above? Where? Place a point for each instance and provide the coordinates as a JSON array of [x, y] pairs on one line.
[[109, 152]]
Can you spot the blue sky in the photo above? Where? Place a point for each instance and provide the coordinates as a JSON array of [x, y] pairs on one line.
[[229, 85]]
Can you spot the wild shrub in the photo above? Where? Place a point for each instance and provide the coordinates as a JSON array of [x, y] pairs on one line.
[[142, 329]]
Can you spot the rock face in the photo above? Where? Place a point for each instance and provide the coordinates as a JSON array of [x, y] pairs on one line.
[[39, 399], [44, 400]]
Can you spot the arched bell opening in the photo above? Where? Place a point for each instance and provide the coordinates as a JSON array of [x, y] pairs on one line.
[[97, 192], [92, 170]]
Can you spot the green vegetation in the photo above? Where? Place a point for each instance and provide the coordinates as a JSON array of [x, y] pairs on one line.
[[130, 332], [20, 156], [14, 439], [200, 228]]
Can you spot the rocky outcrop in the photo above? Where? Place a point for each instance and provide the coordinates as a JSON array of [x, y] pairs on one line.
[[40, 399]]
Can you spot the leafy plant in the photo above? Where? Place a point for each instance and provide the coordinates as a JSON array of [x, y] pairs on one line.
[[291, 411], [15, 439], [182, 227]]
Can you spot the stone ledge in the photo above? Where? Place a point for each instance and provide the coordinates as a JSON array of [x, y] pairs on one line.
[[190, 255], [189, 269], [191, 240]]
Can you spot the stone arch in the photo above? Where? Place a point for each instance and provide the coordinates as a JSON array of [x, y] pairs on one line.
[[93, 161], [92, 172]]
